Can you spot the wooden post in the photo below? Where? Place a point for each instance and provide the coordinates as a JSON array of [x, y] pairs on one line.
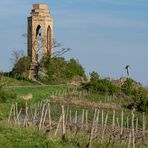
[[76, 116], [97, 121], [70, 116], [49, 115], [19, 116], [121, 132], [41, 119], [129, 139], [102, 119], [34, 115], [82, 119], [118, 122], [92, 129], [127, 122], [113, 121], [86, 119], [66, 118], [136, 124], [63, 123], [10, 113], [44, 118], [104, 128], [14, 113], [113, 126], [143, 124], [26, 115], [133, 130], [16, 109], [58, 125]]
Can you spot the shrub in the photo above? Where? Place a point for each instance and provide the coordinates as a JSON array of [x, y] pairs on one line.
[[127, 87], [138, 95], [103, 86], [140, 99], [58, 70], [21, 68], [5, 95]]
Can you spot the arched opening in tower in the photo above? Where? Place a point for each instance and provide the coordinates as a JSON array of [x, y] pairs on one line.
[[49, 43], [39, 43]]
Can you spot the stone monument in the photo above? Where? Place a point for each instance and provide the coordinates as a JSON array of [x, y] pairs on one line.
[[40, 19]]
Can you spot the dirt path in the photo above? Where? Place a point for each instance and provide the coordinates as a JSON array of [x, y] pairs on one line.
[[85, 103]]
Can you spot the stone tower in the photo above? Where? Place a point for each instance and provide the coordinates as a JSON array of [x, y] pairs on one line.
[[40, 19]]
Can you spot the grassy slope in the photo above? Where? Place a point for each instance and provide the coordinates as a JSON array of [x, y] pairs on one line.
[[39, 94], [19, 137], [8, 81], [16, 137]]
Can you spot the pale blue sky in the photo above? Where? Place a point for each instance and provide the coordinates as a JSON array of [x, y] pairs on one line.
[[105, 35]]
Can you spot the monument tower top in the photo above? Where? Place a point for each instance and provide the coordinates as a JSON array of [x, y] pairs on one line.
[[40, 6]]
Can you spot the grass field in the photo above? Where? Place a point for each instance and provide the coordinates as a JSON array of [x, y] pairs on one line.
[[38, 93], [8, 81], [44, 93], [15, 136]]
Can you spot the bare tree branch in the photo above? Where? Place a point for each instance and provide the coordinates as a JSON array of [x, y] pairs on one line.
[[16, 55]]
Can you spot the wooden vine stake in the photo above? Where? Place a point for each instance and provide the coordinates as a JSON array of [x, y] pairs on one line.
[[133, 128], [76, 117], [11, 110], [82, 119], [127, 122], [14, 113], [102, 119], [97, 121], [44, 118], [58, 125], [70, 119], [121, 132], [19, 116], [118, 122], [49, 115], [113, 126], [131, 138], [104, 128], [63, 123], [67, 114], [137, 124], [16, 110], [34, 115], [143, 124], [41, 119], [92, 129], [26, 98], [86, 119]]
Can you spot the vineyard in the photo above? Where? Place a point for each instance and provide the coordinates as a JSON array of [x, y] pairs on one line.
[[64, 115]]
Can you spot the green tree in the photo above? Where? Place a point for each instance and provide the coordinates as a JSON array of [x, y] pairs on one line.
[[94, 76], [58, 70], [21, 68], [73, 69]]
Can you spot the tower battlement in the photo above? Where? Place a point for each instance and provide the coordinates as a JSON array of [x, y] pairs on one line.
[[40, 6]]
